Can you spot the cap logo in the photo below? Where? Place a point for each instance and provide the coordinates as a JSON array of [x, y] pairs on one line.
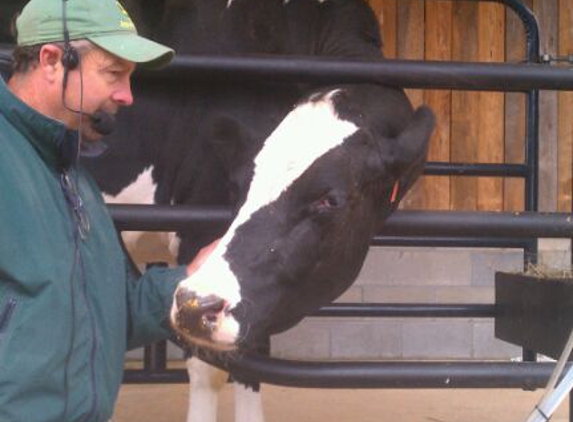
[[126, 22]]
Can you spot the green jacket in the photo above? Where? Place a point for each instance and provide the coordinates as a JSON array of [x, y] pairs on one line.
[[69, 306]]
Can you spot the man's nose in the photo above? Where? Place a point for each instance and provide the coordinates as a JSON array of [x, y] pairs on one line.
[[123, 96]]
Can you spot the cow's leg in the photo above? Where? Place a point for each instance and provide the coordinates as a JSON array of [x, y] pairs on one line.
[[206, 383], [248, 404]]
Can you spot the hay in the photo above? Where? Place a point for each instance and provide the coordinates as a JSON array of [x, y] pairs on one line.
[[544, 271]]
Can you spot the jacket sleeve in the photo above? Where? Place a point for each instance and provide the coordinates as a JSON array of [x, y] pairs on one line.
[[149, 298]]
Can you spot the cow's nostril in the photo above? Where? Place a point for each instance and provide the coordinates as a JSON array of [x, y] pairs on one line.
[[198, 315], [212, 318], [189, 300], [184, 296], [212, 304]]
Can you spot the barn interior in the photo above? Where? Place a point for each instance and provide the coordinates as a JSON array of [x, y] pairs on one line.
[[503, 151]]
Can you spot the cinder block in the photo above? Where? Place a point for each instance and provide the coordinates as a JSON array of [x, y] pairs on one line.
[[486, 346], [136, 354], [437, 339], [366, 339], [352, 295], [398, 294], [416, 267], [486, 262], [555, 254], [174, 352], [308, 340], [455, 294]]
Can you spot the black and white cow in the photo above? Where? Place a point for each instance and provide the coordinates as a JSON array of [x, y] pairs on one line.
[[313, 171], [180, 134], [301, 236]]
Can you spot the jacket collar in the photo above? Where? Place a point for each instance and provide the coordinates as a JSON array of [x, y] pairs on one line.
[[55, 144]]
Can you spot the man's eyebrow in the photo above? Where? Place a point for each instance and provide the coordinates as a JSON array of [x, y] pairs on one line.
[[115, 64]]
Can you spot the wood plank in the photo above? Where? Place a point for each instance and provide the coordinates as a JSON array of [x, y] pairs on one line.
[[465, 106], [491, 48], [410, 45], [547, 12], [386, 12], [438, 39], [565, 155], [514, 114]]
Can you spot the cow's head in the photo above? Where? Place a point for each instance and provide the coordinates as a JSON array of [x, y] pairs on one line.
[[322, 184]]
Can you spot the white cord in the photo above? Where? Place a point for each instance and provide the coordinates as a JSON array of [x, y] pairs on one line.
[[553, 396]]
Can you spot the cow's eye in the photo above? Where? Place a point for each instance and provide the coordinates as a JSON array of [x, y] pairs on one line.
[[330, 201]]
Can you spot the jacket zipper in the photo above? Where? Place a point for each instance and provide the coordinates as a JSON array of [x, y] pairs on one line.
[[95, 398], [6, 315], [80, 234]]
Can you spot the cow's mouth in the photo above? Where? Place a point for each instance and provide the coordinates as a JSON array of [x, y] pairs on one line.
[[204, 321]]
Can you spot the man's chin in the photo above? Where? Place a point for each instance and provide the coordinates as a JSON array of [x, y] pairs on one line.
[[91, 136]]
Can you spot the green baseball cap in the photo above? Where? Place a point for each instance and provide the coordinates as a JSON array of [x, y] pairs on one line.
[[103, 22]]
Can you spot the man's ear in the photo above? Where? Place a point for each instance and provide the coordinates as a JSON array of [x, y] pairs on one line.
[[50, 62]]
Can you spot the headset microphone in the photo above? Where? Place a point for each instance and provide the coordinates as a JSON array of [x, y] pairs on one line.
[[102, 122]]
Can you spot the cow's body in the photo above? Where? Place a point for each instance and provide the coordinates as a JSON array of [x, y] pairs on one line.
[[334, 159], [300, 238], [183, 132]]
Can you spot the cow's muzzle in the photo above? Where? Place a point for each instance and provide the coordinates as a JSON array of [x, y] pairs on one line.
[[200, 319]]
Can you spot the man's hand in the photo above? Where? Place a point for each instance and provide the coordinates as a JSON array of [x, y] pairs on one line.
[[201, 257]]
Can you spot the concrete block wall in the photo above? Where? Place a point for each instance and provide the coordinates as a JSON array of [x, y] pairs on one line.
[[409, 275]]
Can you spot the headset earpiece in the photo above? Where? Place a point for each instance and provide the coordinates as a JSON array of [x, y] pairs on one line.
[[70, 58]]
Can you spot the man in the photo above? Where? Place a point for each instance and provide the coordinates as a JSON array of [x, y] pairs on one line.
[[70, 305]]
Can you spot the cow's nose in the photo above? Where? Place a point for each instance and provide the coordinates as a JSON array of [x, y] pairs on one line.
[[198, 315]]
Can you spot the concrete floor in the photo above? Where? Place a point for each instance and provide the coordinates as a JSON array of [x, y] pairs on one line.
[[167, 403]]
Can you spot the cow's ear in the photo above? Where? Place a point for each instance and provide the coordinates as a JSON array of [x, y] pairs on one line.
[[410, 150], [399, 161]]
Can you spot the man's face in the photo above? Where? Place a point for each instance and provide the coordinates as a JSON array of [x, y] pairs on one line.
[[100, 83]]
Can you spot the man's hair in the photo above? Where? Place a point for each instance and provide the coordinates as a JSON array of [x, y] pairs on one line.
[[25, 58]]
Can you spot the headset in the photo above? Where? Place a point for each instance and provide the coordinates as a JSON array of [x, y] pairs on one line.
[[70, 57], [101, 121]]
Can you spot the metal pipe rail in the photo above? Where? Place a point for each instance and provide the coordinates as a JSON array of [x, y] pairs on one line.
[[520, 225], [404, 73], [406, 310], [387, 374], [434, 168], [525, 375]]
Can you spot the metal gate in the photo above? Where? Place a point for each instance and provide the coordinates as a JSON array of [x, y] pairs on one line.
[[405, 228]]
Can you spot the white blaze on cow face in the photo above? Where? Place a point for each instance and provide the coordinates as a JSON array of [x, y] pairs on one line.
[[307, 133]]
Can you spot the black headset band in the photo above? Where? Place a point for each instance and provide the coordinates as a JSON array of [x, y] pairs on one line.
[[70, 57]]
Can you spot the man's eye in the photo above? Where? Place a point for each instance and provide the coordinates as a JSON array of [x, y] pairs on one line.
[[114, 73]]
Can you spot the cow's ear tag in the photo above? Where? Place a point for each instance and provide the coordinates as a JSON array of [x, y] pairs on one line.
[[395, 191]]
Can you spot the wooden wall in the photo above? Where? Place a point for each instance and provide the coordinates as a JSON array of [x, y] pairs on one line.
[[479, 126]]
